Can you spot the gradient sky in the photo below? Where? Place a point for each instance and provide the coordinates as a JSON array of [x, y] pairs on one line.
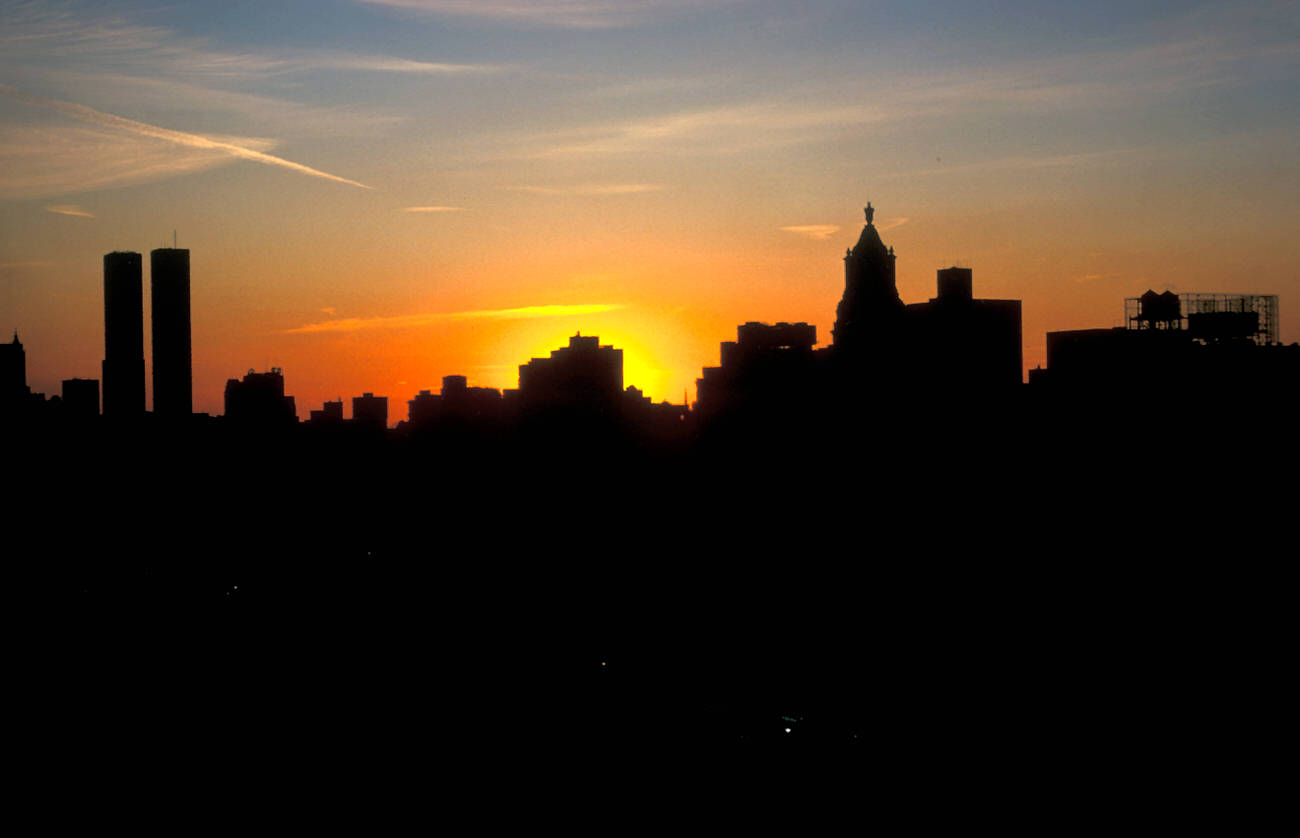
[[379, 193]]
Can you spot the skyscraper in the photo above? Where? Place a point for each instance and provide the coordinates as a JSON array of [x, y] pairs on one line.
[[123, 335], [13, 375], [13, 367], [869, 315], [169, 286]]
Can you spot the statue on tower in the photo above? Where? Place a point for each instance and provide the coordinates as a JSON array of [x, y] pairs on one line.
[[871, 213]]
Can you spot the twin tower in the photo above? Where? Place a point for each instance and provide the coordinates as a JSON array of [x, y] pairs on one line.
[[169, 288]]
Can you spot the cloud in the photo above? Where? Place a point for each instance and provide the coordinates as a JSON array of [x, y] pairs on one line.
[[355, 324], [1105, 76], [1026, 163], [180, 138], [433, 209], [724, 129], [821, 232], [27, 264], [162, 92], [106, 40], [574, 14], [592, 189], [387, 64], [97, 51], [42, 160], [70, 209]]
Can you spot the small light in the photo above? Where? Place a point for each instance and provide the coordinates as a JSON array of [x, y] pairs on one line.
[[787, 730]]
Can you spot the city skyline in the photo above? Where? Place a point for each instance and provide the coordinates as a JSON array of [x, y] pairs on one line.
[[398, 192]]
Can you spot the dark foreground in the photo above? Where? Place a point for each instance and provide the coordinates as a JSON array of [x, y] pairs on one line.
[[1007, 603]]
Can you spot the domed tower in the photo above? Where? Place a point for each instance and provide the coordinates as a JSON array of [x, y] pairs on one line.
[[871, 309]]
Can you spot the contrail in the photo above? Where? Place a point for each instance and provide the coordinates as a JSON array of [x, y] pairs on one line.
[[179, 137]]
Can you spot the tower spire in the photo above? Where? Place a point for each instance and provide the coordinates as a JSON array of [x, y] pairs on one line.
[[870, 211]]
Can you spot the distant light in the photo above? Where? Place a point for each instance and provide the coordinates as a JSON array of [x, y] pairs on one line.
[[787, 730]]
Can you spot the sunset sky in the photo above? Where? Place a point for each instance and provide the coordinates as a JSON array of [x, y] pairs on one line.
[[378, 193]]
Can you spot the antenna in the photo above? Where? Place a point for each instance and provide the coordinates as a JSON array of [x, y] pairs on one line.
[[173, 239]]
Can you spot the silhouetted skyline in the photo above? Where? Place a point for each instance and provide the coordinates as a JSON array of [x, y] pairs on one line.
[[503, 395], [695, 170], [953, 342]]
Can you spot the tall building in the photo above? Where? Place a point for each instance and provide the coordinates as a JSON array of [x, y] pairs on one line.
[[81, 398], [169, 286], [13, 373], [953, 341], [869, 314], [582, 377], [457, 407], [259, 399], [958, 341], [370, 410], [768, 367], [331, 413], [123, 371]]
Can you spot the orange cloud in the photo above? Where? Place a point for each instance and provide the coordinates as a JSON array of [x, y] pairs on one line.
[[70, 209], [821, 232], [354, 324], [593, 189]]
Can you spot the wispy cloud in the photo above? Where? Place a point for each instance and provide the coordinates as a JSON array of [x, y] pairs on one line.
[[41, 160], [433, 209], [576, 14], [28, 264], [721, 130], [99, 53], [1031, 162], [70, 209], [1099, 76], [387, 64], [592, 189], [78, 36], [180, 138], [821, 232], [354, 324]]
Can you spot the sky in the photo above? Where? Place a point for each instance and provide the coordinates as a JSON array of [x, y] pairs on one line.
[[378, 193]]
